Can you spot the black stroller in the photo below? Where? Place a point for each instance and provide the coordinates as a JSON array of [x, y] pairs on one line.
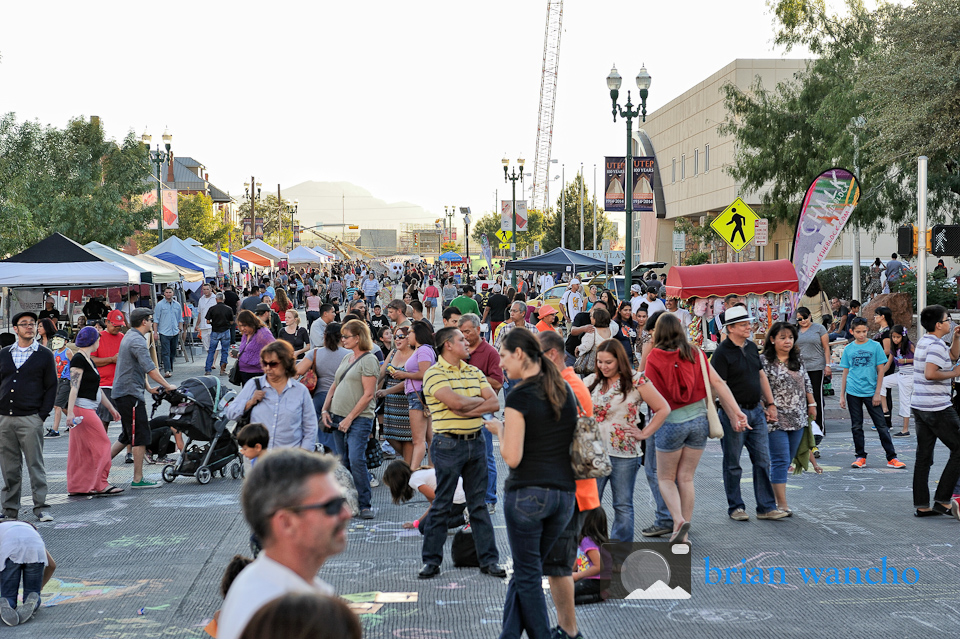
[[196, 410]]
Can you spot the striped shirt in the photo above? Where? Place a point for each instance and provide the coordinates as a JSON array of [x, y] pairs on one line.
[[930, 394], [463, 379]]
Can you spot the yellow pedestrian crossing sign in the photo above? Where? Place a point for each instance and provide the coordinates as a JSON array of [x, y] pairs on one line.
[[736, 225], [504, 235], [504, 245]]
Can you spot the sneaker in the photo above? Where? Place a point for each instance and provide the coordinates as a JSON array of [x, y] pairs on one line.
[[128, 459], [374, 482], [143, 483], [170, 374], [901, 434], [738, 515], [859, 463], [8, 614], [816, 453], [30, 605], [367, 513], [659, 531], [52, 433], [208, 372], [873, 428], [491, 508], [955, 509], [896, 463], [560, 633], [773, 514], [44, 515]]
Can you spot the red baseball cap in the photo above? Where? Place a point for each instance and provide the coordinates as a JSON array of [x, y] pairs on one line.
[[116, 318]]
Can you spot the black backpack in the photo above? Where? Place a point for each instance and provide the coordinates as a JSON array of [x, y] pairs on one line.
[[463, 550]]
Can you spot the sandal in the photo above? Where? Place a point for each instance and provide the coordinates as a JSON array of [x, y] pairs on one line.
[[681, 532], [109, 491]]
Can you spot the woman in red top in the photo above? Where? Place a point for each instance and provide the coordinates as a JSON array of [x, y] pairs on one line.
[[431, 296], [281, 304], [673, 367]]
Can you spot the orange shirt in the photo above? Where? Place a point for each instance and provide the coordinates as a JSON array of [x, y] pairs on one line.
[[588, 497], [543, 326]]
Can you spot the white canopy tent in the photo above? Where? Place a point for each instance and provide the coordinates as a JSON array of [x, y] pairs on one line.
[[177, 247], [303, 255], [187, 274], [262, 248], [60, 263], [157, 274]]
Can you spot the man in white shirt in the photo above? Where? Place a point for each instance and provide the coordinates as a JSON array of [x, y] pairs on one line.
[[204, 304], [296, 509], [546, 282], [636, 298], [572, 301], [654, 303], [673, 307]]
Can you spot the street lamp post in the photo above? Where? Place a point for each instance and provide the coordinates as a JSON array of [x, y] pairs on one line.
[[252, 193], [291, 209], [158, 157], [513, 176], [643, 83]]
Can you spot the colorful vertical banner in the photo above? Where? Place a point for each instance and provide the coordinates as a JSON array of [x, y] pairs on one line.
[[487, 251], [219, 261], [168, 199], [614, 184], [247, 229], [506, 223], [826, 207], [258, 228], [296, 233]]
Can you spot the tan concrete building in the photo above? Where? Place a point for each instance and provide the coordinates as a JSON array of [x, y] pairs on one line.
[[692, 157]]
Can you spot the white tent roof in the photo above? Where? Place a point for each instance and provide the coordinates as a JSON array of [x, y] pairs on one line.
[[193, 254], [59, 262], [160, 274], [302, 254], [261, 247], [317, 249], [188, 274]]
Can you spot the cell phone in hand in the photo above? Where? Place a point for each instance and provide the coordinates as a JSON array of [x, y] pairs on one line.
[[488, 417]]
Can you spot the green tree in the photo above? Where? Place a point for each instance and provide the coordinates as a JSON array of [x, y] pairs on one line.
[[271, 210], [196, 219], [489, 224], [788, 135], [72, 181], [569, 199]]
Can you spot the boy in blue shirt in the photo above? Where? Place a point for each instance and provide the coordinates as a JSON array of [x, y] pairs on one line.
[[62, 356], [863, 362]]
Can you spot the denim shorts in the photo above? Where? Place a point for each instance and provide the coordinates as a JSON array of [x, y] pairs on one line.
[[689, 434], [415, 401], [430, 302]]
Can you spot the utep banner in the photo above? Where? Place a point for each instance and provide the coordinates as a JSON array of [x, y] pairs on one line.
[[615, 180], [827, 206], [168, 199], [506, 222], [258, 228]]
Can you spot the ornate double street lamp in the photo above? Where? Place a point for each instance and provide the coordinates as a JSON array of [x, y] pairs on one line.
[[643, 83], [158, 157], [513, 176]]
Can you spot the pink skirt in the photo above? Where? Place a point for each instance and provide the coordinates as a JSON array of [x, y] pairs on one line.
[[88, 458]]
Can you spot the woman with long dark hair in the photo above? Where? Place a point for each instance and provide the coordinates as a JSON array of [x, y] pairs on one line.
[[902, 353], [814, 345], [396, 408], [535, 437], [673, 366], [793, 395], [626, 330], [46, 329], [883, 316], [420, 338], [617, 394]]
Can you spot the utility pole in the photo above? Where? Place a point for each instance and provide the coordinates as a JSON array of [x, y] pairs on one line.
[[279, 219], [581, 207], [563, 207], [594, 207]]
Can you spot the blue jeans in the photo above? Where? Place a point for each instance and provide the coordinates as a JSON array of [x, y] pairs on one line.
[[758, 446], [352, 448], [855, 406], [535, 518], [663, 518], [168, 350], [223, 340], [453, 459], [491, 497], [10, 580], [327, 439], [371, 300], [622, 481], [783, 448]]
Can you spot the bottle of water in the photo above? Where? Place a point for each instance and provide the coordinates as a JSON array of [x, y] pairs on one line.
[[76, 421]]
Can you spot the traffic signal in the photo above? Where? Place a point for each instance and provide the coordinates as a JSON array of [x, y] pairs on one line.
[[945, 240], [416, 240], [907, 240]]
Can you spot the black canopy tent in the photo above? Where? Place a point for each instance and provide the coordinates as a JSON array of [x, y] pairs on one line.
[[559, 259]]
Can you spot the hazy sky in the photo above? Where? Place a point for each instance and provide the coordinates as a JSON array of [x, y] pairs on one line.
[[414, 101]]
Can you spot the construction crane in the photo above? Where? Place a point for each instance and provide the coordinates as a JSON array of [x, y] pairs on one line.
[[548, 97], [340, 246]]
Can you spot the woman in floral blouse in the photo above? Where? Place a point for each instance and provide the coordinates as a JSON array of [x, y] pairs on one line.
[[793, 395], [617, 394]]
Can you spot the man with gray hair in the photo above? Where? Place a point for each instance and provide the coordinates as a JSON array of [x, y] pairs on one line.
[[487, 359], [518, 311], [296, 510], [220, 318]]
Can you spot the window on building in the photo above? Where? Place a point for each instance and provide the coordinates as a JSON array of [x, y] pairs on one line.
[[696, 162], [706, 158], [673, 172], [683, 166]]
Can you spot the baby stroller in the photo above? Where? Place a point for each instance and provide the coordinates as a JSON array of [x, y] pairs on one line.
[[196, 410]]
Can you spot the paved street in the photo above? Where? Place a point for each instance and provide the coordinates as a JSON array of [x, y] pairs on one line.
[[164, 551]]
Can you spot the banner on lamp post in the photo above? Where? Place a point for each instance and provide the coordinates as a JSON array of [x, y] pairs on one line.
[[247, 229], [296, 233], [258, 228], [168, 199], [506, 208], [615, 181]]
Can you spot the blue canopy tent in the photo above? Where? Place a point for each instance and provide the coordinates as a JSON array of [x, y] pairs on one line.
[[173, 258], [450, 256]]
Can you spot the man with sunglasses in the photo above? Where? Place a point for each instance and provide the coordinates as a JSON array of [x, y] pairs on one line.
[[296, 509], [28, 385]]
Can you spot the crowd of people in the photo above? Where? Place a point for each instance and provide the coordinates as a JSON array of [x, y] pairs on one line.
[[421, 365]]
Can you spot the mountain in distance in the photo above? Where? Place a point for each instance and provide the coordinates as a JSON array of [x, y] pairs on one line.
[[659, 590], [342, 202]]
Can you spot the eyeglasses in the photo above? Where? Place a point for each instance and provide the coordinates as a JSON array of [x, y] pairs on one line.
[[331, 508], [27, 325], [346, 335], [400, 336], [270, 364]]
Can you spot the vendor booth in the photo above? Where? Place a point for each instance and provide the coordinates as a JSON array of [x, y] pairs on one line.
[[149, 273], [253, 258], [186, 274], [264, 249], [559, 259], [193, 257], [304, 255]]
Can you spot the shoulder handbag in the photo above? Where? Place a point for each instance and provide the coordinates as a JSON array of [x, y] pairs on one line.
[[309, 379], [245, 418], [234, 377], [588, 454], [713, 419], [587, 362]]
